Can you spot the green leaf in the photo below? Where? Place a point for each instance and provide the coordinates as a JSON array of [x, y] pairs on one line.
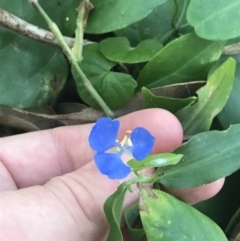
[[70, 20], [111, 15], [171, 104], [116, 89], [166, 218], [131, 216], [158, 24], [231, 111], [208, 156], [183, 90], [64, 8], [118, 49], [216, 19], [32, 73], [157, 160], [113, 210], [211, 99], [185, 59], [166, 22]]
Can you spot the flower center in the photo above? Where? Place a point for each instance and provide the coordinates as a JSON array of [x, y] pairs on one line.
[[126, 142]]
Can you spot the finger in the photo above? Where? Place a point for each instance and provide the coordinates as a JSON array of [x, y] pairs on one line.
[[34, 158], [76, 199], [68, 207], [197, 194]]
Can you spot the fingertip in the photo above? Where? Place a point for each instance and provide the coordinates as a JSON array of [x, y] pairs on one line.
[[163, 125], [170, 133]]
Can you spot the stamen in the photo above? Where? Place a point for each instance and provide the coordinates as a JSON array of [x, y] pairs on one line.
[[129, 142], [123, 142], [126, 140]]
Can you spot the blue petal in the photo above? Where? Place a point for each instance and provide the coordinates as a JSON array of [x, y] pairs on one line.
[[142, 141], [111, 164], [104, 134]]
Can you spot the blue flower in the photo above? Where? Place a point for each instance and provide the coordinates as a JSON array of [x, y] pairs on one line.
[[103, 139]]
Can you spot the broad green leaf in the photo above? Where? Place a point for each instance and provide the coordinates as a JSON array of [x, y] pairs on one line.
[[171, 104], [215, 19], [211, 100], [185, 59], [111, 15], [157, 160], [231, 111], [64, 8], [118, 49], [208, 156], [168, 219], [115, 88], [131, 216], [70, 20], [159, 23], [113, 210], [32, 73], [183, 90]]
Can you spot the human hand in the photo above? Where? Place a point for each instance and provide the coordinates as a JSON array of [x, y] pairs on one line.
[[52, 190]]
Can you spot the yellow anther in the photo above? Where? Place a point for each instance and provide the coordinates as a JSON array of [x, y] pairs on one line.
[[126, 140]]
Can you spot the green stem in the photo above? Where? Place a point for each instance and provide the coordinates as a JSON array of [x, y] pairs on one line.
[[184, 9], [71, 57], [166, 36], [140, 179], [184, 26], [137, 174], [174, 14], [83, 10]]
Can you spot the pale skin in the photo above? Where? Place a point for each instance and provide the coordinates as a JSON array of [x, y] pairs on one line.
[[51, 189]]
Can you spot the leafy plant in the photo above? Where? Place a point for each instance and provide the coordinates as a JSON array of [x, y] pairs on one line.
[[114, 57]]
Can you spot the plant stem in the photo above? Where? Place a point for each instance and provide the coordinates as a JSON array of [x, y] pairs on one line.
[[184, 9], [174, 14], [83, 10], [31, 31], [166, 36], [141, 179], [71, 57], [184, 26]]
